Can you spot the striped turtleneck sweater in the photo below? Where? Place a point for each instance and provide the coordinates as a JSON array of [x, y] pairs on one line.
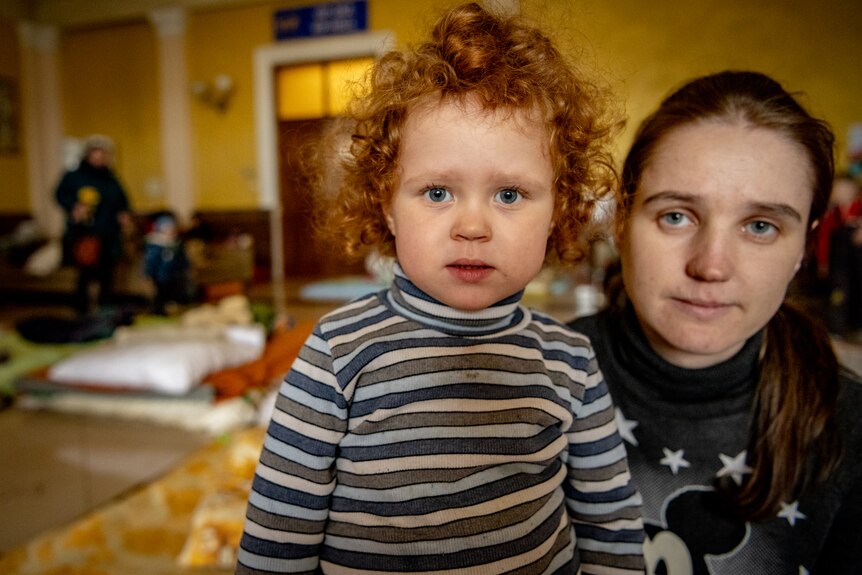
[[411, 437]]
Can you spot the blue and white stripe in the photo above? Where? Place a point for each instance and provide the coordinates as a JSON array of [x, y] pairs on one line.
[[411, 437]]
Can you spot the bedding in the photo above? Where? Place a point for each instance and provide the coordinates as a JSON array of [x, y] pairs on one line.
[[168, 359], [340, 289], [25, 357], [227, 399], [197, 411]]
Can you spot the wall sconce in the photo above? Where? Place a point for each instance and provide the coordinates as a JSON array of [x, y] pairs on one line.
[[216, 93]]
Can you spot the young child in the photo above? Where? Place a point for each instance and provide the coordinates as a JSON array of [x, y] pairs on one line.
[[440, 426], [166, 263]]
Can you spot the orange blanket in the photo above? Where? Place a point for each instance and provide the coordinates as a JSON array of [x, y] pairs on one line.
[[278, 356]]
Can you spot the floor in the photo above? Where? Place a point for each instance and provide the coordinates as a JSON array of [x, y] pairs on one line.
[[56, 467]]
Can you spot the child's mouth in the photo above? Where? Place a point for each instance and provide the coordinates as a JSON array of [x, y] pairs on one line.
[[470, 272]]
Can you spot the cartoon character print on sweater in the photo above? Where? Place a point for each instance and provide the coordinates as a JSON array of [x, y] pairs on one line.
[[686, 531], [682, 544]]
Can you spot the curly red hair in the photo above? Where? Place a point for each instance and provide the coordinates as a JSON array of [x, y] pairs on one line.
[[505, 64]]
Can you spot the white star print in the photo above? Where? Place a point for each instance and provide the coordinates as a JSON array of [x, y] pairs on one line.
[[625, 426], [791, 512], [674, 459], [735, 467]]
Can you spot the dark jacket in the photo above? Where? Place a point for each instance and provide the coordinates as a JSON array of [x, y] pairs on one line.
[[99, 188]]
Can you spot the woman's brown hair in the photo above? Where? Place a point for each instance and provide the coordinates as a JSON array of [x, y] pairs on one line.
[[505, 64], [793, 440]]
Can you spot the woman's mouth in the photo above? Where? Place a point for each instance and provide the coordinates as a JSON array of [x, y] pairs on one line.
[[703, 309]]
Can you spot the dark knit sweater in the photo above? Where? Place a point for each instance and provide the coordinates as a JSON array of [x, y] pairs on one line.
[[685, 426]]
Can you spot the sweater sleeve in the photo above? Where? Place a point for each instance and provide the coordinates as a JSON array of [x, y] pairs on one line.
[[295, 477], [602, 500]]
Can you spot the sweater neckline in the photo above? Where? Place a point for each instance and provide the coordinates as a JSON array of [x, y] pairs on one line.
[[410, 301], [735, 377]]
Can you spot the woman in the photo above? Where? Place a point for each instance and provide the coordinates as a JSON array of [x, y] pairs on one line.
[[97, 210], [742, 429]]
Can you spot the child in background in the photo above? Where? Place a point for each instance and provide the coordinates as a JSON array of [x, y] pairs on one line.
[[166, 263], [440, 426]]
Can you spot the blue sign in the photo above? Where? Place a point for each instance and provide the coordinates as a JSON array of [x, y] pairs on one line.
[[321, 20]]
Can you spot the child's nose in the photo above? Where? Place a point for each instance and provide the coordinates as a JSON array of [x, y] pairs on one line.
[[471, 223]]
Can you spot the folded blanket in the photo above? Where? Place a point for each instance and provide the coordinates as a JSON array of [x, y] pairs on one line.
[[166, 359]]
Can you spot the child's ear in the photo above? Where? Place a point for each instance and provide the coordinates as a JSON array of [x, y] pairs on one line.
[[390, 222]]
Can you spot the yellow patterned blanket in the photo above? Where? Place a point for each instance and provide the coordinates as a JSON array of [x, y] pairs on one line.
[[189, 521]]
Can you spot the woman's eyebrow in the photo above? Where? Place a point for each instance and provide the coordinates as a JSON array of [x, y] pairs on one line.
[[777, 209], [671, 196]]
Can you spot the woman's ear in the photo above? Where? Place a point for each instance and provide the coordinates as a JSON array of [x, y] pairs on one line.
[[798, 265]]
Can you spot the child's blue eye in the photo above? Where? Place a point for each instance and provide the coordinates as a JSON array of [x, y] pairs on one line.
[[509, 196], [437, 194]]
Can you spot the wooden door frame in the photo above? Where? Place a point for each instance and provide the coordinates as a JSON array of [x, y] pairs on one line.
[[266, 60]]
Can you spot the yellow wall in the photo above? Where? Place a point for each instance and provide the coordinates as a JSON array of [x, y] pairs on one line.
[[110, 86], [649, 48], [13, 167], [223, 144], [109, 77], [223, 42]]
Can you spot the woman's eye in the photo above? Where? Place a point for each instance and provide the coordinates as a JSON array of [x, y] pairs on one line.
[[674, 219], [509, 196], [761, 229], [437, 194]]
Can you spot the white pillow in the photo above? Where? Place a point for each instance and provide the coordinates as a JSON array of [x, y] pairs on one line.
[[171, 366]]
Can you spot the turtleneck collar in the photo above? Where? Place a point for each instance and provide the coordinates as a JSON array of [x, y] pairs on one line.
[[410, 301], [735, 377]]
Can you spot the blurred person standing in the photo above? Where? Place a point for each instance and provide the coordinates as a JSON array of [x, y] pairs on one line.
[[97, 209]]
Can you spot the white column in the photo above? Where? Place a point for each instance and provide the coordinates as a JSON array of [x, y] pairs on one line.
[[170, 25], [43, 122]]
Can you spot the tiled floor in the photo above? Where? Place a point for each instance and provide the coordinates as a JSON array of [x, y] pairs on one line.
[[55, 467]]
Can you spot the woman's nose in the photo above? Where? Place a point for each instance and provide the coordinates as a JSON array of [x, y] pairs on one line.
[[471, 223], [710, 258]]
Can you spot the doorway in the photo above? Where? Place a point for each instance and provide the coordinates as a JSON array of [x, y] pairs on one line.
[[267, 60], [305, 259]]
